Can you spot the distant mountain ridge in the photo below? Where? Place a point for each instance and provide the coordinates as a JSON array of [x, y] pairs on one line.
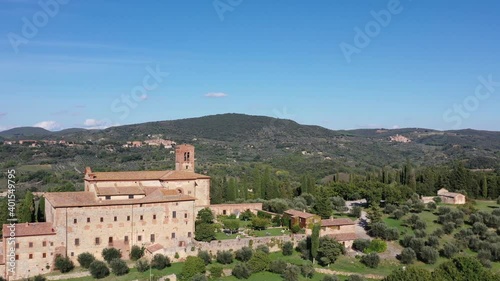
[[246, 137]]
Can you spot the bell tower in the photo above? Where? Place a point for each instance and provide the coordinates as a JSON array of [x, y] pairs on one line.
[[184, 158]]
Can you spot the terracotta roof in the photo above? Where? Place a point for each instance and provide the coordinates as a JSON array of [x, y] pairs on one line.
[[299, 214], [122, 190], [343, 236], [155, 247], [336, 222], [143, 175], [86, 198], [31, 229], [450, 194]]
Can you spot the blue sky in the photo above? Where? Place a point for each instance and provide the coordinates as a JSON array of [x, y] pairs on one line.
[[93, 64]]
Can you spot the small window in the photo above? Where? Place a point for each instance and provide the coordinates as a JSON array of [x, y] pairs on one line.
[[116, 218], [224, 212], [51, 243], [173, 235], [128, 218], [31, 256], [152, 238], [17, 245], [72, 254], [110, 240], [131, 197], [31, 244], [17, 257], [189, 234], [88, 219], [126, 239], [44, 243], [44, 255], [108, 197], [75, 221], [77, 242], [139, 238], [141, 217], [154, 217], [102, 219], [174, 214], [97, 241], [185, 215]]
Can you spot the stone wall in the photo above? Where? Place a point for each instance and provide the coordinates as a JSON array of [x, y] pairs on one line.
[[273, 242], [228, 209]]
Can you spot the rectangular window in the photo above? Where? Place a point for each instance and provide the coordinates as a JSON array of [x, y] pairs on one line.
[[44, 255], [128, 218], [88, 219], [108, 197], [139, 238], [31, 256], [185, 215], [17, 257], [152, 238], [77, 242], [110, 240], [44, 243], [131, 197], [102, 219], [72, 254], [116, 218], [174, 214], [141, 217], [173, 235], [154, 217], [189, 234], [126, 239], [51, 243], [75, 220], [17, 245], [31, 244], [224, 212], [97, 241]]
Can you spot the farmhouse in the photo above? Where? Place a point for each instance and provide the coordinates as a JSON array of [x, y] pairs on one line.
[[451, 197], [303, 219], [342, 229]]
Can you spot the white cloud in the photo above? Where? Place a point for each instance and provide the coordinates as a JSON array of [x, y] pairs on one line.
[[396, 127], [98, 124], [49, 125], [216, 95]]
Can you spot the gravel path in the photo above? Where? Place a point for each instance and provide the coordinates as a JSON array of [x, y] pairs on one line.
[[343, 273], [68, 275]]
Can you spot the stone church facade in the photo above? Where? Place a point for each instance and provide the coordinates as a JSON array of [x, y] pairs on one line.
[[154, 209]]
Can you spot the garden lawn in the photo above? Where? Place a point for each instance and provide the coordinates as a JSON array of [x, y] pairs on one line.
[[271, 232]]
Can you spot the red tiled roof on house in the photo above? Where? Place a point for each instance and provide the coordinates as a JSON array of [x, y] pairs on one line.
[[122, 190], [30, 229], [87, 198], [295, 213], [153, 248], [143, 175], [343, 236], [336, 222]]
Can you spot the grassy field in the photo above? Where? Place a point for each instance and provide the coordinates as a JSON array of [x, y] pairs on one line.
[[34, 168]]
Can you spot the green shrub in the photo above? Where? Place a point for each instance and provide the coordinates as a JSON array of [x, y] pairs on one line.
[[110, 254], [371, 260], [136, 252], [64, 264], [259, 262], [330, 278], [307, 270], [119, 267], [407, 256], [98, 269], [85, 259], [199, 277], [36, 278], [295, 228], [263, 248], [376, 246], [244, 254], [241, 271], [192, 267], [291, 273], [277, 266], [287, 248], [361, 244], [224, 257], [205, 256], [355, 278], [449, 250], [428, 255], [160, 261], [216, 271], [142, 265]]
